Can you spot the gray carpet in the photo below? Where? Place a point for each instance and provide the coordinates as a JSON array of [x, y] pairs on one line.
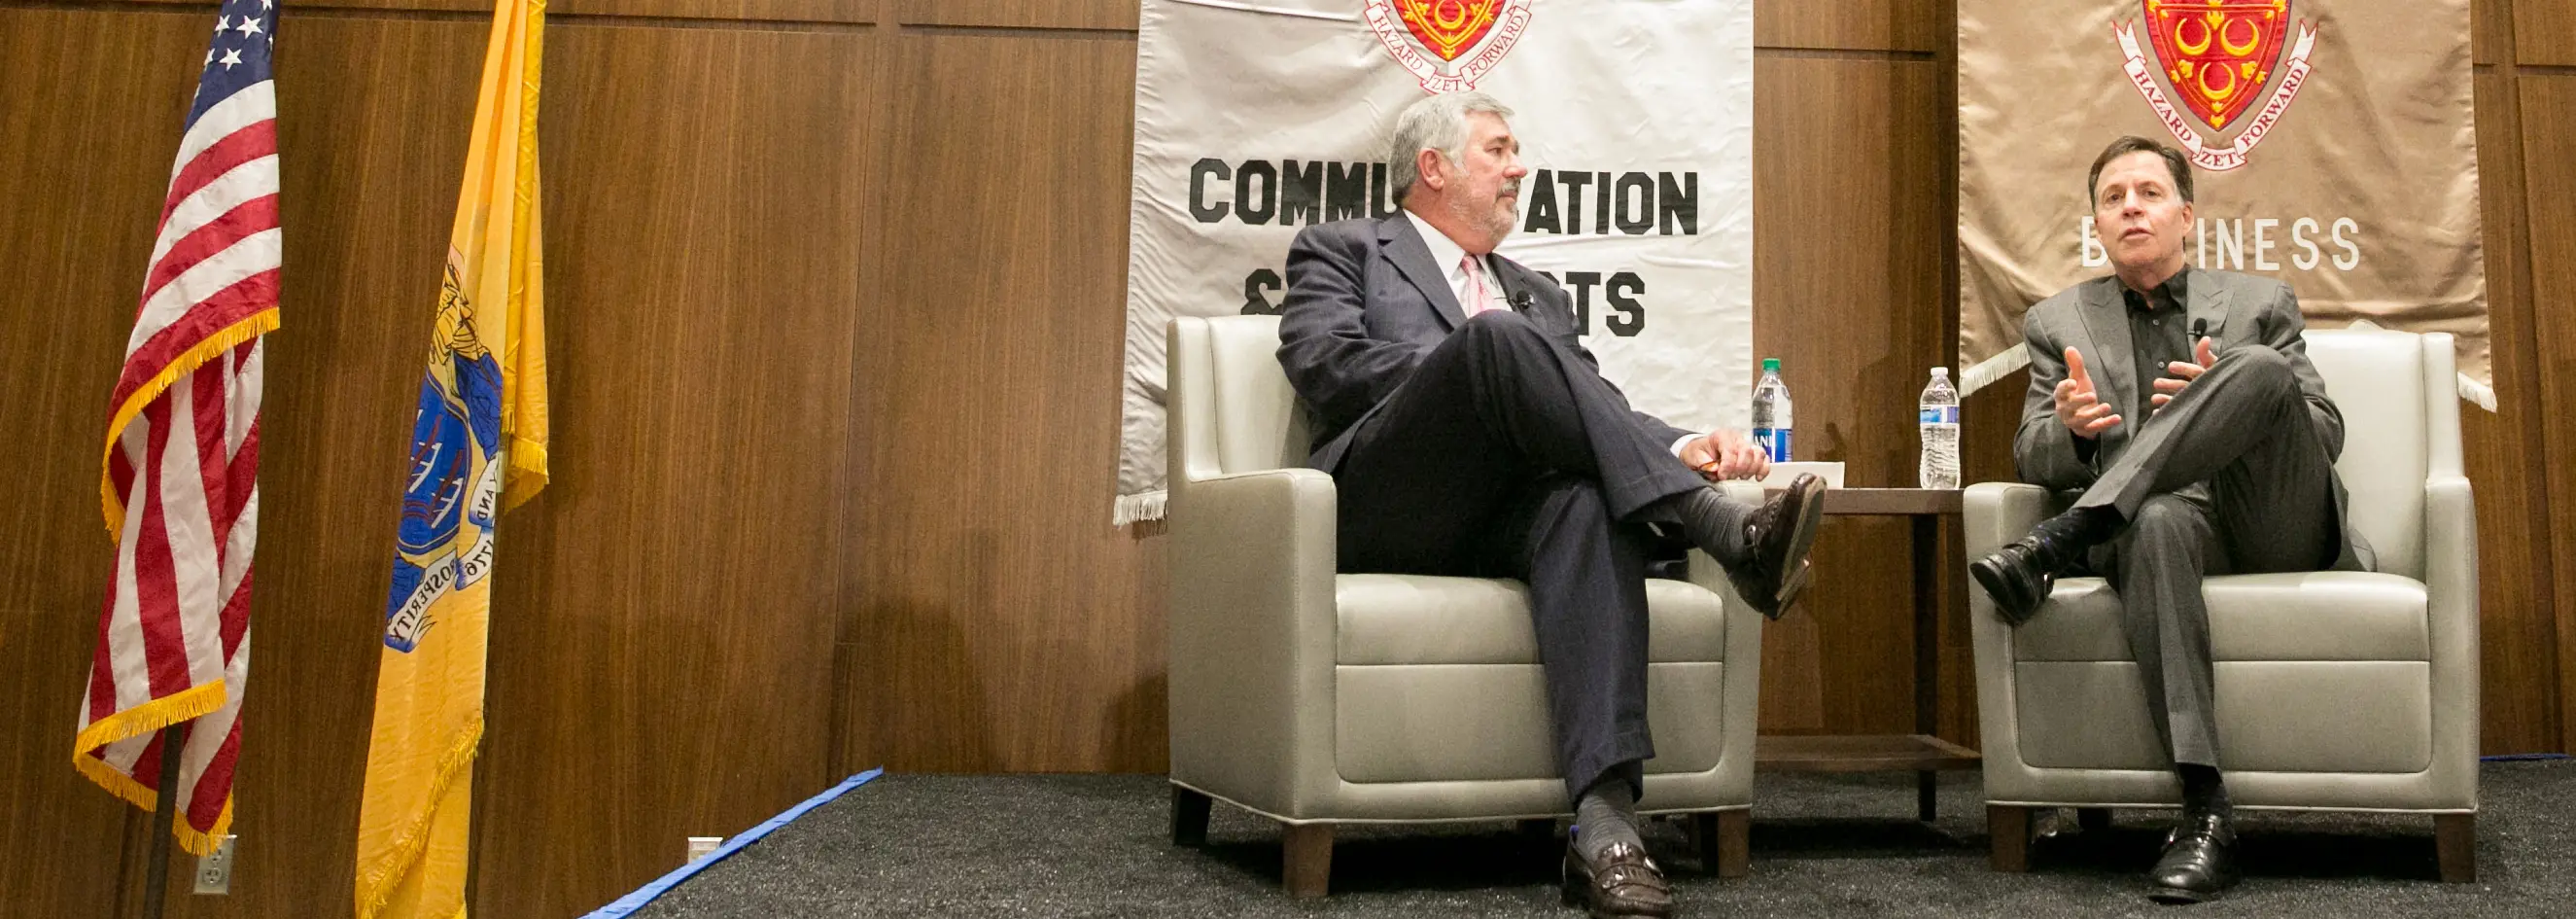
[[909, 845]]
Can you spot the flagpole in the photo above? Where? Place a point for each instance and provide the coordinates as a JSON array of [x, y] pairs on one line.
[[156, 873]]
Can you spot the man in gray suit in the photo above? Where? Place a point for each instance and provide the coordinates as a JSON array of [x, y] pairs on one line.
[[1469, 433], [2179, 405]]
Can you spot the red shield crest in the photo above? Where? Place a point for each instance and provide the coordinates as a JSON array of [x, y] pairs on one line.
[[2218, 54], [1448, 27], [1448, 44]]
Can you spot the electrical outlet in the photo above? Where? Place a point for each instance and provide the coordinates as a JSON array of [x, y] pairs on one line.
[[703, 846], [215, 870]]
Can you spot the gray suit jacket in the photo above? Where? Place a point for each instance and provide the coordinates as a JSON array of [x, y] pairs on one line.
[[1365, 303], [2237, 310]]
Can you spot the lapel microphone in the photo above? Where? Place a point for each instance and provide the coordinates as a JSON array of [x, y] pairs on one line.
[[2199, 330], [1521, 301]]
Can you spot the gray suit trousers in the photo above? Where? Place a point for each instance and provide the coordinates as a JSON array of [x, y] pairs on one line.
[[2228, 477]]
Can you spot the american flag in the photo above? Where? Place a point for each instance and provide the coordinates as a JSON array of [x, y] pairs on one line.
[[182, 453]]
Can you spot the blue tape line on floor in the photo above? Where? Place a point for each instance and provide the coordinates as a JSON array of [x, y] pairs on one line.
[[2518, 757], [643, 895]]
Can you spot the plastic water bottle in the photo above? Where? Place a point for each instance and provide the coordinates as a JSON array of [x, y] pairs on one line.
[[1940, 424], [1771, 416]]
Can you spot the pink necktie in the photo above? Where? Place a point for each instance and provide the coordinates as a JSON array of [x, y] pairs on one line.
[[1475, 285]]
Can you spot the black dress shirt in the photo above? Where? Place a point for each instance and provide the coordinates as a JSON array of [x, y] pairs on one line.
[[2157, 333]]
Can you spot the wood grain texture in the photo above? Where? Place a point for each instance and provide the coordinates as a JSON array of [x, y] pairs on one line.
[[1847, 292], [2548, 114], [2506, 455], [662, 647], [2490, 32], [715, 12], [1000, 623], [658, 618], [1856, 25], [65, 146], [1020, 14], [2544, 32]]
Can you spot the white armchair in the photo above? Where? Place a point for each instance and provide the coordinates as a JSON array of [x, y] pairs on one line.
[[1315, 698], [2335, 690]]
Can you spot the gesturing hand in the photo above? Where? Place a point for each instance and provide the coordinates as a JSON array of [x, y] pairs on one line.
[[2183, 373], [2079, 407], [1723, 454]]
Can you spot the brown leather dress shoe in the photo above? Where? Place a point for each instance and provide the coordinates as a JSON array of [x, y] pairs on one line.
[[1779, 533], [1624, 883]]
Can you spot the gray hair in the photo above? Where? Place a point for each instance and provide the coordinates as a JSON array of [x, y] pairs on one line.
[[1436, 123]]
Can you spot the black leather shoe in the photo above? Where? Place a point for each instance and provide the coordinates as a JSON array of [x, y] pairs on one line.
[[2199, 861], [1779, 533], [1624, 883], [2019, 576]]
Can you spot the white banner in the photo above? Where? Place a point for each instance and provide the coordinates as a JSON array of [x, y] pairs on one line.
[[1256, 119]]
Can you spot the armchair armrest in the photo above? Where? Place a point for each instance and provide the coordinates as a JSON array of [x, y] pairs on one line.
[[1996, 513], [1251, 628], [2451, 592]]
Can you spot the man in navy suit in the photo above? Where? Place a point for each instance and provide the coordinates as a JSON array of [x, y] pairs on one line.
[[1469, 432]]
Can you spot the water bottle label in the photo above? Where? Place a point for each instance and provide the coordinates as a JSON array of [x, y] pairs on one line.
[[1774, 443], [1941, 414]]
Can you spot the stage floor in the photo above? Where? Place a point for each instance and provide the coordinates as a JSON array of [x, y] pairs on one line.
[[1823, 845]]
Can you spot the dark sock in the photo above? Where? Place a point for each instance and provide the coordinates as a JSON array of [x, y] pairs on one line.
[[1708, 519], [2091, 525], [2063, 539], [1606, 814], [2203, 792]]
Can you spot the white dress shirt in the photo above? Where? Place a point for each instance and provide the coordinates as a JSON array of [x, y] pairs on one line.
[[1452, 260]]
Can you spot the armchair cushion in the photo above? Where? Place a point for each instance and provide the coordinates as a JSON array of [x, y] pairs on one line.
[[2308, 616], [1421, 619]]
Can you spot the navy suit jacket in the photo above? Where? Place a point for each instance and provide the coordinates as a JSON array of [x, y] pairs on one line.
[[1365, 303]]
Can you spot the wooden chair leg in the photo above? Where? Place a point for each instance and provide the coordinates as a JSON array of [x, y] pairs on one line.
[[1189, 817], [2008, 834], [1731, 835], [2455, 840], [2093, 819], [1308, 860]]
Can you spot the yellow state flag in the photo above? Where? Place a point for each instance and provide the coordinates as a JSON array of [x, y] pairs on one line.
[[478, 446]]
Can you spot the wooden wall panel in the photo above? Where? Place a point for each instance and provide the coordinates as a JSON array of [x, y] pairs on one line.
[[2507, 459], [70, 144], [662, 653], [1000, 622], [1022, 14], [2491, 31], [2548, 114], [1847, 292], [812, 12], [664, 659], [1861, 25], [2544, 32]]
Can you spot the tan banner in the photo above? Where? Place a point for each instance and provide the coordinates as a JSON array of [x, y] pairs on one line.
[[2334, 146]]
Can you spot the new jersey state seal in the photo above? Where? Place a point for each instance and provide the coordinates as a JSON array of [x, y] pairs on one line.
[[444, 541]]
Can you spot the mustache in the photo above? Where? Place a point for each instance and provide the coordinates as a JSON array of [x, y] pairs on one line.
[[1511, 188]]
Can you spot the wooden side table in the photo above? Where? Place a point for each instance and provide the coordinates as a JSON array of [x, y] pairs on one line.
[[1920, 752]]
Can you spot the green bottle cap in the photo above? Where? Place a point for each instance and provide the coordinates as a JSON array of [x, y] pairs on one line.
[[1770, 365]]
